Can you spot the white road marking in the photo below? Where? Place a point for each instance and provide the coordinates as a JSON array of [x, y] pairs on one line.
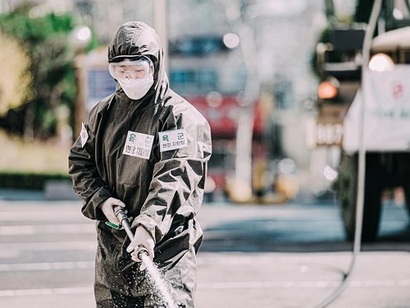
[[225, 285], [46, 266], [49, 291], [42, 215], [78, 245], [303, 284], [47, 229]]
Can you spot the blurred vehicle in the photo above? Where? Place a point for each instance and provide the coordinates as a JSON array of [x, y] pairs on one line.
[[385, 97]]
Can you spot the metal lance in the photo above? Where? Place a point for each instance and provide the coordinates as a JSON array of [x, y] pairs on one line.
[[123, 218]]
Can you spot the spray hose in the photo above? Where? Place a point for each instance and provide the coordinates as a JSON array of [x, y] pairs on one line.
[[362, 163]]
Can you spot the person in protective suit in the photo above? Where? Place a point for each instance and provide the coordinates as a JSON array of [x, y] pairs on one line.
[[144, 149]]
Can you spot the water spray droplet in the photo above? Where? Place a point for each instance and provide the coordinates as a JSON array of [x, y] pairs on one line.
[[158, 281]]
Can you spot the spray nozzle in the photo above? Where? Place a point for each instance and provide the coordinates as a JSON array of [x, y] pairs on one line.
[[143, 252]]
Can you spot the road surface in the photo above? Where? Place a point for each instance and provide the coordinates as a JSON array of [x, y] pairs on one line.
[[253, 256]]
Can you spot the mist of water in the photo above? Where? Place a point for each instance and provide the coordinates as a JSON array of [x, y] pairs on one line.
[[158, 281]]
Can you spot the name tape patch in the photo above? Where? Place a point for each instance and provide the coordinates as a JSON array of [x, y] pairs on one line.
[[83, 135], [138, 145], [172, 140]]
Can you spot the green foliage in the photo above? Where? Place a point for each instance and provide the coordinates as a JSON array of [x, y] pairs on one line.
[[46, 39], [15, 78]]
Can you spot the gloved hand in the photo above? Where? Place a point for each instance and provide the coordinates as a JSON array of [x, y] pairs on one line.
[[142, 241], [108, 209]]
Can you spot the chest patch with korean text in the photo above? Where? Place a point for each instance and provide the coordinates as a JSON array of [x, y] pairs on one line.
[[172, 140], [138, 145]]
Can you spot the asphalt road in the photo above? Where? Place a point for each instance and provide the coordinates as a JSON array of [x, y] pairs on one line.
[[290, 255]]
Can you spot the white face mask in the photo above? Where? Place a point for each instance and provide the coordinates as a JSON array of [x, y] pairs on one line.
[[136, 88]]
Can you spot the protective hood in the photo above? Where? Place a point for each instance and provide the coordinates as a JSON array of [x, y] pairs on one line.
[[134, 39]]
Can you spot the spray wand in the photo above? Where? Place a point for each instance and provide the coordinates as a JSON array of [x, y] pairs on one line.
[[123, 218], [142, 255]]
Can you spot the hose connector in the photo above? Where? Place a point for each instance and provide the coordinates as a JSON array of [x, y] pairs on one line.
[[120, 213]]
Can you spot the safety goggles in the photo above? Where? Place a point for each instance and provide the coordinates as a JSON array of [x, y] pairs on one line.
[[131, 68]]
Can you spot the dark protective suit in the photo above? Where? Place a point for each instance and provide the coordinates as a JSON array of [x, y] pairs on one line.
[[160, 182]]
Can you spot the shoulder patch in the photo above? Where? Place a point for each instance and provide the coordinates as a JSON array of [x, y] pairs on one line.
[[83, 135]]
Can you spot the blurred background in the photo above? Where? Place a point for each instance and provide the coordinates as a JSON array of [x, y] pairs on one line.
[[252, 67], [246, 65], [281, 83]]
